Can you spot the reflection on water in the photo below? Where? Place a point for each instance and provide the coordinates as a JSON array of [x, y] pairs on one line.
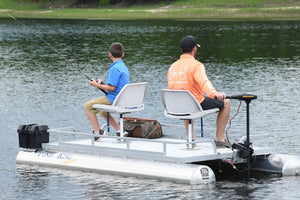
[[39, 86]]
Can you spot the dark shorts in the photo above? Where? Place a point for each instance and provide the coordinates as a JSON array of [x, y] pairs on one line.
[[210, 103]]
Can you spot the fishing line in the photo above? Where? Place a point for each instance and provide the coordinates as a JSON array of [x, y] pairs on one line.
[[54, 49]]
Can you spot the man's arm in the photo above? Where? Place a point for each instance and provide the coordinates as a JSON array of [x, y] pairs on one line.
[[205, 84]]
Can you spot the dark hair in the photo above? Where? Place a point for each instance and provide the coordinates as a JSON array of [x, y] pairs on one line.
[[116, 50]]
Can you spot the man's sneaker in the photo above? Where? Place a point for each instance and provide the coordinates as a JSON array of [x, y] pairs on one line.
[[101, 132], [220, 144]]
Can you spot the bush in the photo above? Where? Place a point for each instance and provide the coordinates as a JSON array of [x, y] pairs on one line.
[[131, 2], [104, 2]]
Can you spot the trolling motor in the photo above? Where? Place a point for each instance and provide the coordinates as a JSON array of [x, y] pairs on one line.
[[245, 150]]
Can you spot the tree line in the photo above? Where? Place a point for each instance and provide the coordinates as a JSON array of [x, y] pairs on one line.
[[95, 3]]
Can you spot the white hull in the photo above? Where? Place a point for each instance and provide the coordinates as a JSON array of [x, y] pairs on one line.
[[285, 165], [183, 173]]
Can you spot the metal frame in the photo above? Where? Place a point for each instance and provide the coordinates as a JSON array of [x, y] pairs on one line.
[[125, 149]]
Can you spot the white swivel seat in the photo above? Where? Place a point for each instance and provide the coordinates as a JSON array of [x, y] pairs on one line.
[[181, 104], [130, 99]]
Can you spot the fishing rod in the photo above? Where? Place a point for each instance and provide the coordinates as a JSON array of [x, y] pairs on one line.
[[55, 50]]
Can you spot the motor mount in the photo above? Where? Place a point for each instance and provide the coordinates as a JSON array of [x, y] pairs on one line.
[[245, 151]]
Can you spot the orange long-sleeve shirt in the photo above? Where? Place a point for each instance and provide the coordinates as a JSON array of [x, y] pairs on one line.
[[187, 73]]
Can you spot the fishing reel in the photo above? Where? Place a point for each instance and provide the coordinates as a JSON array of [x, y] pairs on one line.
[[100, 81]]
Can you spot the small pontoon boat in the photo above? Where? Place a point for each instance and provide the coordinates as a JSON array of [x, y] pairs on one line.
[[163, 158]]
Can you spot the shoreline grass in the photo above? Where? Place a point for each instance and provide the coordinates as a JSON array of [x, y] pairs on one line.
[[178, 10]]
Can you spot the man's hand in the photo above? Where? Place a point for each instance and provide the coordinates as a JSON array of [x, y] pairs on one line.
[[221, 96]]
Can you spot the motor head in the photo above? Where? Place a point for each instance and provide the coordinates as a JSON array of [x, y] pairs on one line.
[[244, 97]]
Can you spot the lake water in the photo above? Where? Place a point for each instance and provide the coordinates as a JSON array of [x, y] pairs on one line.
[[39, 86]]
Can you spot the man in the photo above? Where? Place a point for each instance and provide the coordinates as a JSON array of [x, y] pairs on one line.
[[117, 78], [187, 73]]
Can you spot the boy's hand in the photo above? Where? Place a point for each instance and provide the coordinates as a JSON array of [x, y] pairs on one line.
[[97, 85], [93, 83]]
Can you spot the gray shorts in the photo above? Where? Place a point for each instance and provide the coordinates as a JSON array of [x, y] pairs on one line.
[[210, 103]]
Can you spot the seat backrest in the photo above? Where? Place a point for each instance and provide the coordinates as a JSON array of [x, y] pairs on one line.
[[132, 95], [179, 102]]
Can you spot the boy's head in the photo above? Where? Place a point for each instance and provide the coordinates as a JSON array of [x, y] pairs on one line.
[[116, 49]]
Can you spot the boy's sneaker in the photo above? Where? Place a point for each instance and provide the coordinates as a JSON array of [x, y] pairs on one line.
[[101, 132], [224, 144], [193, 144]]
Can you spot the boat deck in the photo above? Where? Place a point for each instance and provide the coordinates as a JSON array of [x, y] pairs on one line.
[[162, 149]]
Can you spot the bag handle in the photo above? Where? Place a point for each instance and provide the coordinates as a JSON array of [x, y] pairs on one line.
[[153, 129]]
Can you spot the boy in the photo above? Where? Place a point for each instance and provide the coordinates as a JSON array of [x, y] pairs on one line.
[[117, 78]]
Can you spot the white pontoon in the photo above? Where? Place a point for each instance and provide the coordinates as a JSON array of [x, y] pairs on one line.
[[163, 158]]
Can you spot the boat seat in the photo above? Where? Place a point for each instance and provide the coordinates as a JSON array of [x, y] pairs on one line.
[[130, 99], [181, 104]]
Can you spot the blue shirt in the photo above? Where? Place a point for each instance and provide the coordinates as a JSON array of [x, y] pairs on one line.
[[118, 76]]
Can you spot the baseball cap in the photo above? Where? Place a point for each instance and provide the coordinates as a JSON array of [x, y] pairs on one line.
[[188, 43]]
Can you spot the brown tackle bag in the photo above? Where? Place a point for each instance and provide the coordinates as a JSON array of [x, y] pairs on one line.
[[142, 128]]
